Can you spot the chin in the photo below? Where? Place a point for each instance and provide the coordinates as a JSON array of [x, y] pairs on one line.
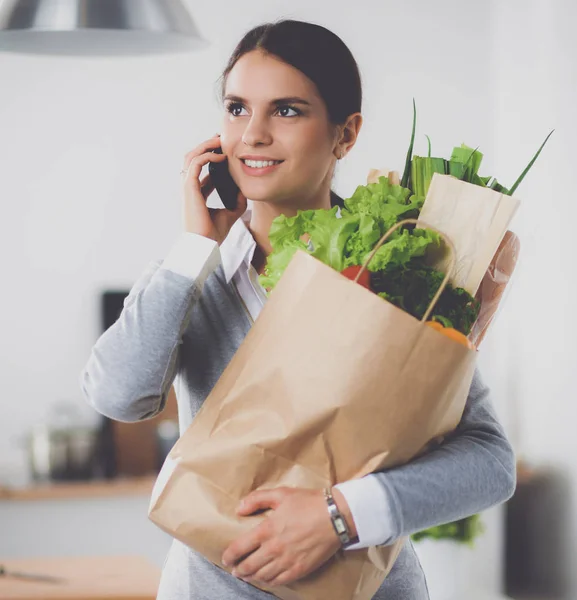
[[261, 195]]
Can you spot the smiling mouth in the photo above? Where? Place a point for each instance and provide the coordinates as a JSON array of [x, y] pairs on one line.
[[260, 164]]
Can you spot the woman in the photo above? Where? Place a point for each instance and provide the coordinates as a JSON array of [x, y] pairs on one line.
[[292, 100]]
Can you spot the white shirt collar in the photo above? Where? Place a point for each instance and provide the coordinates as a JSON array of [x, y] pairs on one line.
[[238, 247]]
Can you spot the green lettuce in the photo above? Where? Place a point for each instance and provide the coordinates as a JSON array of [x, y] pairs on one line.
[[405, 246], [387, 203], [348, 240]]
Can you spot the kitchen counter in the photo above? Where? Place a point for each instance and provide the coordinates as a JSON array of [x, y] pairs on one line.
[[128, 486], [85, 578]]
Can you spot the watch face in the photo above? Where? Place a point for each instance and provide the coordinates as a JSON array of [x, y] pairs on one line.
[[341, 527]]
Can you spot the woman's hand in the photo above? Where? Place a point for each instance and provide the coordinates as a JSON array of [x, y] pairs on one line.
[[212, 223], [295, 539]]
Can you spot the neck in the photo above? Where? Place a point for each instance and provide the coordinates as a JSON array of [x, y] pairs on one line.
[[262, 216]]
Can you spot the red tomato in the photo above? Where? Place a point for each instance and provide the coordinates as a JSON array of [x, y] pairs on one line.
[[364, 279]]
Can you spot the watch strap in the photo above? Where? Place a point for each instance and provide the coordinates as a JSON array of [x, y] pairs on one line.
[[338, 521]]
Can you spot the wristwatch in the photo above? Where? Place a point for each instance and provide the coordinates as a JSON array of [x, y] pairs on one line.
[[338, 521]]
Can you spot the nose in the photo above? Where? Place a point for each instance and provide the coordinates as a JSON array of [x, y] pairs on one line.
[[257, 132]]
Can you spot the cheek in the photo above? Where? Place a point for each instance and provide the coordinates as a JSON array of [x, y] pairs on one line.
[[314, 143], [230, 133], [313, 154]]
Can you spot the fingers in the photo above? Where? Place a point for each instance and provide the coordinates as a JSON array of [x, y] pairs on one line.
[[256, 563], [261, 499], [206, 186], [241, 547], [195, 164], [202, 154], [211, 144], [268, 572]]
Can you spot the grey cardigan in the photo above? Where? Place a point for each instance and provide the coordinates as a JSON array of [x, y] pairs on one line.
[[174, 329]]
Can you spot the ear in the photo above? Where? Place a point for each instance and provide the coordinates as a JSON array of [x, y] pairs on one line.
[[348, 134]]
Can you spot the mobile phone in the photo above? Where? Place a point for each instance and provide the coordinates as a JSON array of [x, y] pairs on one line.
[[223, 182]]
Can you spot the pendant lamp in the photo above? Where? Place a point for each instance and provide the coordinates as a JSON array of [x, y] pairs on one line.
[[97, 27]]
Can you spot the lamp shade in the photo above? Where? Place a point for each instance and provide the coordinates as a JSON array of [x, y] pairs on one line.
[[97, 27]]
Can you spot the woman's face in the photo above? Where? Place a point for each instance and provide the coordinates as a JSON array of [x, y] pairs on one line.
[[274, 112]]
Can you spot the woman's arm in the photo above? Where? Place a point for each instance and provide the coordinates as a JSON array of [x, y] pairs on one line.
[[472, 470], [133, 364]]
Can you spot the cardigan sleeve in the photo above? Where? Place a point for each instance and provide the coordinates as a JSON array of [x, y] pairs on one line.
[[134, 362], [473, 469]]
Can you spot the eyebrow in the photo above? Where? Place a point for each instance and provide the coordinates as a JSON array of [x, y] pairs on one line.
[[277, 102]]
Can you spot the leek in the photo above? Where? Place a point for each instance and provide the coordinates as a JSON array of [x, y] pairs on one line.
[[422, 172], [469, 157], [495, 185]]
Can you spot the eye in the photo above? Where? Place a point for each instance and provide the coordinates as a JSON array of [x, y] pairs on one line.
[[282, 110], [234, 108]]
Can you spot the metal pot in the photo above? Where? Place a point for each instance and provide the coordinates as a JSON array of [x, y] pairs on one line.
[[62, 454]]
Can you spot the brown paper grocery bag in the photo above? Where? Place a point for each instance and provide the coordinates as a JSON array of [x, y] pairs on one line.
[[331, 383]]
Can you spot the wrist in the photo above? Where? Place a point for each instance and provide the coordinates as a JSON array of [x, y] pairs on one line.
[[345, 511]]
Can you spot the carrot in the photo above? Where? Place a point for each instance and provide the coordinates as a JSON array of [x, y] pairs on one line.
[[455, 335]]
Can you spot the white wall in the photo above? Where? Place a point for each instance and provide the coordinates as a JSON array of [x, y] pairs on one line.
[[90, 152], [534, 67]]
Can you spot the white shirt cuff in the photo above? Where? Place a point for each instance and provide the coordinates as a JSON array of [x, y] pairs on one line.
[[193, 256], [370, 510]]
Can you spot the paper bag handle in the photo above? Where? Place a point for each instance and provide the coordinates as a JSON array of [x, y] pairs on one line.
[[450, 270]]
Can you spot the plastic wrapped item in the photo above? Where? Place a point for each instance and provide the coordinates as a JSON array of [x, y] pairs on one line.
[[494, 283]]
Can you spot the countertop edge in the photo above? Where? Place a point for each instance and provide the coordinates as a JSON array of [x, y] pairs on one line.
[[105, 488]]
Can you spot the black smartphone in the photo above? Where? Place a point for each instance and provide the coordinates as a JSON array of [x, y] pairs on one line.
[[223, 182]]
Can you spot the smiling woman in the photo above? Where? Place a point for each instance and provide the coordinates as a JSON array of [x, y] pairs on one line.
[[291, 95], [276, 114]]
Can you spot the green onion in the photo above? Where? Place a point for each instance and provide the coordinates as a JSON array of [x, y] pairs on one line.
[[528, 167], [407, 171]]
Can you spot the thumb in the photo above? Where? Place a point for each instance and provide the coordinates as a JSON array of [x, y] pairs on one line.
[[225, 219], [241, 206]]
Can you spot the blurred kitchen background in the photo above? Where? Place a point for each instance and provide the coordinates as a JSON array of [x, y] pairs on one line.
[[90, 154]]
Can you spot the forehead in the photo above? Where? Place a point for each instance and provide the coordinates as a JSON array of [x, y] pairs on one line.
[[260, 77]]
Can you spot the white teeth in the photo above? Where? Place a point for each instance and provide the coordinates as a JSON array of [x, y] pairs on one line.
[[259, 164]]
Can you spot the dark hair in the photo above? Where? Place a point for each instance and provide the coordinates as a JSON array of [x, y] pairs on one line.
[[319, 54]]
